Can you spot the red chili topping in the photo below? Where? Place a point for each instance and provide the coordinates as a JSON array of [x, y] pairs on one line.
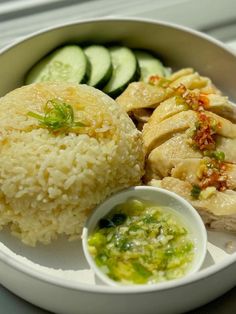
[[159, 81], [154, 79], [205, 133], [203, 100], [181, 90], [214, 175], [195, 100]]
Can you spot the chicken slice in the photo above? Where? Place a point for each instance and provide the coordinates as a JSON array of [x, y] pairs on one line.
[[161, 159], [228, 146], [183, 72], [155, 132], [210, 88], [191, 170], [167, 109], [217, 104], [141, 95], [159, 162], [218, 211], [193, 80], [226, 129], [222, 106], [190, 81]]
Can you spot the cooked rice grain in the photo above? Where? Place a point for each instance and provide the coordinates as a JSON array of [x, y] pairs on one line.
[[49, 183]]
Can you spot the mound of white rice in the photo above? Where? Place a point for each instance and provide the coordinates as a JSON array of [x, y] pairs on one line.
[[49, 182]]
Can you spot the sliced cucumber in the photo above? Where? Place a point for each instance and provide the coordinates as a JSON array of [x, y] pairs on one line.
[[149, 65], [67, 64], [101, 66], [168, 71], [125, 70]]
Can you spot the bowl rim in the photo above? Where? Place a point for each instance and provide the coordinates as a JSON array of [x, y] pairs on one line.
[[28, 270], [133, 192]]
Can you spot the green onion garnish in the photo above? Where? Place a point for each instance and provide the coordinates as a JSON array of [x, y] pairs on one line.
[[58, 117], [195, 192], [218, 155]]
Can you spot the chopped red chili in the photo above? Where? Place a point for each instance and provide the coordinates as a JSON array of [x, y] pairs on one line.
[[195, 100], [180, 90], [205, 133], [214, 175], [159, 81], [204, 138], [203, 100], [154, 79]]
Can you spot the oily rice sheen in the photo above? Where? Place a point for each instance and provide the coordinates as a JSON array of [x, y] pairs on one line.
[[51, 180]]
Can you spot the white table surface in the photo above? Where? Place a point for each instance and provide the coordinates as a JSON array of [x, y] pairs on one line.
[[21, 17]]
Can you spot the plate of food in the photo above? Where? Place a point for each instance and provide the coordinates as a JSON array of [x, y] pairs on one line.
[[117, 112]]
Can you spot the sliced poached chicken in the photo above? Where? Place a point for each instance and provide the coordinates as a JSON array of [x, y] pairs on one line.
[[218, 211]]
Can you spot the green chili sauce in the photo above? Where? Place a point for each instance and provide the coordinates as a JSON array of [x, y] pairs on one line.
[[139, 243]]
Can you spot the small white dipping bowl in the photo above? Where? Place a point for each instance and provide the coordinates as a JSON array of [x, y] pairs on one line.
[[160, 197]]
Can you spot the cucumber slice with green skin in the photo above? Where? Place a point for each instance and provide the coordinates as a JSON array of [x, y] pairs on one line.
[[149, 65], [101, 66], [66, 64], [125, 70]]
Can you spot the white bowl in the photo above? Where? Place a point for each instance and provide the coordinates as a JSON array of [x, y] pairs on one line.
[[57, 277], [160, 197]]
